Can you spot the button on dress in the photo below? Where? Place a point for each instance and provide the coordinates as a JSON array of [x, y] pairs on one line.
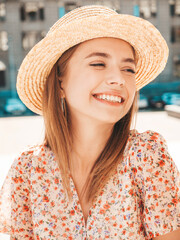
[[140, 201]]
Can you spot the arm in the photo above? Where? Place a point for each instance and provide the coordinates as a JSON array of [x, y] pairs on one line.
[[160, 184], [175, 235], [15, 202]]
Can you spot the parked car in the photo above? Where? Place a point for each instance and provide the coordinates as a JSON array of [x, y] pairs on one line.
[[156, 102], [171, 98], [142, 101], [173, 110], [14, 106]]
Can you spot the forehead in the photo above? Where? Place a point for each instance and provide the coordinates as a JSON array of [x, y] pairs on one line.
[[108, 45]]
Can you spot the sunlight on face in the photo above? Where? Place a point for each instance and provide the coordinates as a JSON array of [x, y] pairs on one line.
[[100, 81]]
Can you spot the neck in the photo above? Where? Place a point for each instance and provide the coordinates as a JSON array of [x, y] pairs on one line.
[[89, 140]]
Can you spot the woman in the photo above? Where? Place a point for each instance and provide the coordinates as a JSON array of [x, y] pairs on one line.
[[92, 178]]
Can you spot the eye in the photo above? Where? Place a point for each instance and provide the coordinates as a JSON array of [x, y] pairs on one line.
[[130, 70], [97, 64]]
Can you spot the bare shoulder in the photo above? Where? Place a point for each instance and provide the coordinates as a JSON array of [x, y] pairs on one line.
[[175, 235]]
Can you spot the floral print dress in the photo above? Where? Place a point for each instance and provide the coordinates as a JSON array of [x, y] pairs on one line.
[[141, 201]]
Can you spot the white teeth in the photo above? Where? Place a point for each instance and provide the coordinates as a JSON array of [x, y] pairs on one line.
[[110, 98], [119, 99]]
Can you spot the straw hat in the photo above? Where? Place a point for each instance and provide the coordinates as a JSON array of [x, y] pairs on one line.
[[83, 24]]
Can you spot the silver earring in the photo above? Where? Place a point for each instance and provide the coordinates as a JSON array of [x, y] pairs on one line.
[[62, 104]]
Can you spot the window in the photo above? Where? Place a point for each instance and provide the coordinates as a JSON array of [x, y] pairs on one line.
[[177, 7], [29, 39], [3, 41], [2, 74], [177, 65], [153, 6], [41, 11], [175, 34], [32, 11], [147, 8], [2, 11], [174, 6], [70, 6]]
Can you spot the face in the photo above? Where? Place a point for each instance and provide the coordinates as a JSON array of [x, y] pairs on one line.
[[100, 82]]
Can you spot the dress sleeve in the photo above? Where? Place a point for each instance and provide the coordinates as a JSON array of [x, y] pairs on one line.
[[161, 188], [15, 204]]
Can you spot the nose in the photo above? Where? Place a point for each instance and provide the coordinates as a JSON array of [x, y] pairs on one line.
[[115, 78]]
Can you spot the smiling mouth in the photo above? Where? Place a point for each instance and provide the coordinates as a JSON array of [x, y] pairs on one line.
[[109, 98]]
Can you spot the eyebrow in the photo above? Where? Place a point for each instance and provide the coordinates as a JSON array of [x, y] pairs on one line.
[[106, 55], [99, 54]]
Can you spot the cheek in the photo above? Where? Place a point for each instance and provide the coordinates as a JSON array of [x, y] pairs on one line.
[[131, 85], [78, 94], [132, 91]]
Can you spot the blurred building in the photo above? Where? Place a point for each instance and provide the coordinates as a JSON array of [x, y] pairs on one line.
[[24, 22]]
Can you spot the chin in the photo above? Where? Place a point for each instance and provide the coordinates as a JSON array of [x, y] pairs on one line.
[[111, 120]]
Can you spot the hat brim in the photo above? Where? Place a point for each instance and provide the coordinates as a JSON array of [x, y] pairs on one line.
[[150, 47]]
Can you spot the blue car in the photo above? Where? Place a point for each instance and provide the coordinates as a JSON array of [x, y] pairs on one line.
[[171, 98], [14, 106]]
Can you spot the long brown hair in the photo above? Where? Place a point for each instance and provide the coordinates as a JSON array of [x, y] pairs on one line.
[[58, 133]]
